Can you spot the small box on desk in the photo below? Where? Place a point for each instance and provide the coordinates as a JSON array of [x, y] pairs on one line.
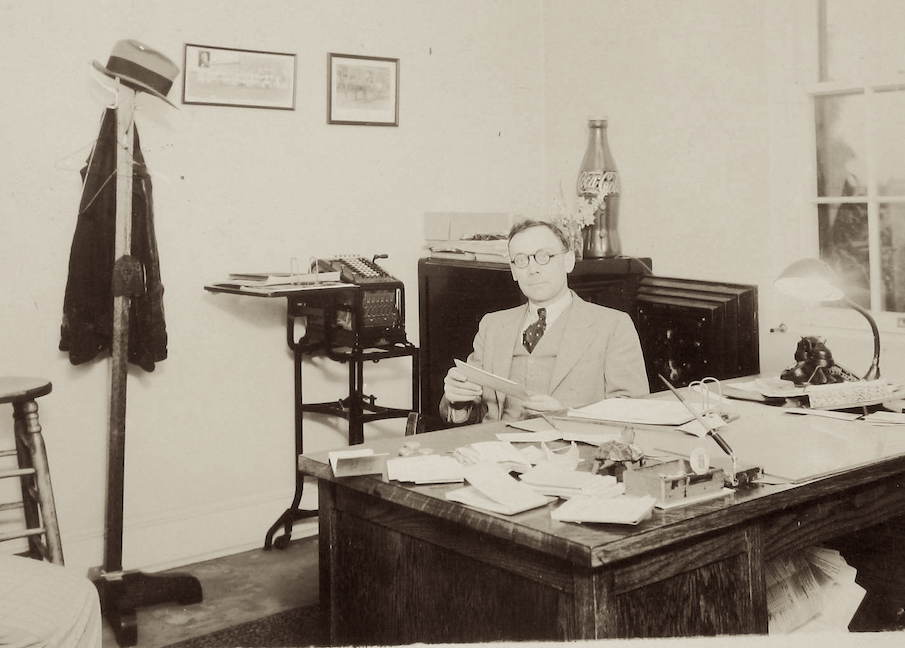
[[673, 482], [349, 463]]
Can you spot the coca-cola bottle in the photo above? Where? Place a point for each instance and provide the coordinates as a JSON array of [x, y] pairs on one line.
[[598, 184]]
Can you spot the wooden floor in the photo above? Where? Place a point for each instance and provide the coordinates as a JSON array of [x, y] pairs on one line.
[[237, 588]]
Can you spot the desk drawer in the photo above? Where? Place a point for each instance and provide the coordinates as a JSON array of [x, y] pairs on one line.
[[833, 516]]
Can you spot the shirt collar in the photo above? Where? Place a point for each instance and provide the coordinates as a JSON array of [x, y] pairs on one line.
[[554, 310]]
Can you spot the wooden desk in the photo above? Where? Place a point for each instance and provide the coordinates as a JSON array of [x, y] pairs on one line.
[[400, 564]]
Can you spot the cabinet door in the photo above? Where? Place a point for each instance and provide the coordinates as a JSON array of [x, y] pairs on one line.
[[452, 300]]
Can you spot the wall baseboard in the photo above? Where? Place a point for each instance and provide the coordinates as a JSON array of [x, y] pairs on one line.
[[192, 534]]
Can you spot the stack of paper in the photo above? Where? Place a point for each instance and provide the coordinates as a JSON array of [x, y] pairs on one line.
[[492, 489], [624, 509], [280, 278], [811, 591], [425, 469], [793, 593], [841, 595]]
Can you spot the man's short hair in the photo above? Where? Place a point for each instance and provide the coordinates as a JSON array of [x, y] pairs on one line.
[[528, 223]]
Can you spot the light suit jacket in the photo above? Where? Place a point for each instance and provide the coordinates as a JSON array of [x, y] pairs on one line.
[[599, 357]]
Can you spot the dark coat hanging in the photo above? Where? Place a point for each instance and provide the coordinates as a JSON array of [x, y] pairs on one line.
[[88, 304]]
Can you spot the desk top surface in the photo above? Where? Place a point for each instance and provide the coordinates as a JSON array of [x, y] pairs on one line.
[[837, 456]]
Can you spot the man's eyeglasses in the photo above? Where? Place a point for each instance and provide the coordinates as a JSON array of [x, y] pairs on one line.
[[541, 257]]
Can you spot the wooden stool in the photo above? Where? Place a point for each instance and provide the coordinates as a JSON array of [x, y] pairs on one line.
[[33, 472]]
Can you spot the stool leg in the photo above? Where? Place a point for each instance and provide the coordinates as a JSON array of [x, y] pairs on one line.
[[28, 487], [28, 433]]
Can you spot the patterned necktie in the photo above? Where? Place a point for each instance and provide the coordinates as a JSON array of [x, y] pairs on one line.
[[535, 331]]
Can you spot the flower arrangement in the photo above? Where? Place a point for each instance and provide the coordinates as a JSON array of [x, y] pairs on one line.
[[580, 217], [574, 221]]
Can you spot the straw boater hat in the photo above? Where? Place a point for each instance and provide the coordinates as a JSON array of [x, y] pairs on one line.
[[141, 67]]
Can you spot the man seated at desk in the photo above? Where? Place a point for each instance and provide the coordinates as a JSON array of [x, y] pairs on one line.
[[566, 352]]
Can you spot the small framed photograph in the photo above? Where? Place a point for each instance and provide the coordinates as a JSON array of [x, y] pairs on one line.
[[363, 90], [225, 76]]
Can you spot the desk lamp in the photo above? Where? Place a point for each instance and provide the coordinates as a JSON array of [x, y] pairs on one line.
[[813, 280]]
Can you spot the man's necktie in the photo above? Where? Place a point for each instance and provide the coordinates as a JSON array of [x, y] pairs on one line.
[[535, 330]]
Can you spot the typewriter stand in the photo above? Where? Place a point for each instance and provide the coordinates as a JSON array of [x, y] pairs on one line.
[[357, 408]]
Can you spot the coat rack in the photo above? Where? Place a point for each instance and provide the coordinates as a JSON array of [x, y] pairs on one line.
[[121, 592]]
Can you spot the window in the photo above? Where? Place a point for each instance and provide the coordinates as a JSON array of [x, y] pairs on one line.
[[859, 118]]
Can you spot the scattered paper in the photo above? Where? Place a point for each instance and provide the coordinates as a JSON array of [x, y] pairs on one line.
[[885, 418], [568, 456], [624, 509], [778, 388], [502, 452], [490, 488], [425, 469], [554, 479], [492, 381]]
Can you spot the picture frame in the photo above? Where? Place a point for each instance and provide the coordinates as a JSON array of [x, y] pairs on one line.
[[362, 90], [228, 76]]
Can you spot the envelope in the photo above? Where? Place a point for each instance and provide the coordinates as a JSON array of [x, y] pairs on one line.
[[487, 379]]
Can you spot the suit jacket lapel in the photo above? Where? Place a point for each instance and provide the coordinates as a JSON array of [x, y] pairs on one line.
[[574, 340], [503, 346]]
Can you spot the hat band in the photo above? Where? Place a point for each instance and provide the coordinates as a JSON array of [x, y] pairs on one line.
[[134, 71]]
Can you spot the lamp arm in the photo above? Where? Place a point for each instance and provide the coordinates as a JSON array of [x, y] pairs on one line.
[[873, 373]]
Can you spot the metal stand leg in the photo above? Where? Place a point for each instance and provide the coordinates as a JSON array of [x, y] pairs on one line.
[[293, 513], [356, 394]]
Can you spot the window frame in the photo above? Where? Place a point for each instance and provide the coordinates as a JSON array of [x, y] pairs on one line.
[[808, 54]]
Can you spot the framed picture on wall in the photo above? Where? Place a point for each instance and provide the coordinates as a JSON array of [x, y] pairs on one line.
[[362, 90], [225, 76]]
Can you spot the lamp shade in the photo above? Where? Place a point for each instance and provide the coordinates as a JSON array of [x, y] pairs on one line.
[[810, 280]]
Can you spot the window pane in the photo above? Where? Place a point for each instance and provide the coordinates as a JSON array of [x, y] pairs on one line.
[[862, 38], [840, 145], [892, 256], [890, 142], [842, 230]]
